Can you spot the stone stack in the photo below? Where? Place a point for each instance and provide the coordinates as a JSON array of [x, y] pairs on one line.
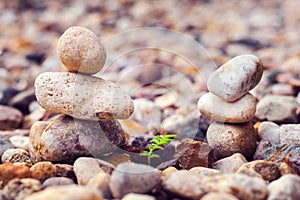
[[231, 107], [89, 105]]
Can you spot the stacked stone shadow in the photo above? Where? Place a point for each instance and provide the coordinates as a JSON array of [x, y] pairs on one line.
[[231, 107], [90, 106]]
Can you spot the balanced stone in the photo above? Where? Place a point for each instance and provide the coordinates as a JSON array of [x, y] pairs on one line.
[[239, 111], [80, 50], [66, 139], [228, 139], [236, 77], [82, 97]]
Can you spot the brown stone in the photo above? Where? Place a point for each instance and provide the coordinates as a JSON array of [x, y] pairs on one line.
[[10, 118], [267, 169], [230, 164], [65, 170], [194, 153], [9, 171], [43, 170]]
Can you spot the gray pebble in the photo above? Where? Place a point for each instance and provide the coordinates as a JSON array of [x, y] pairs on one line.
[[277, 109], [57, 181], [5, 144], [133, 178], [289, 134]]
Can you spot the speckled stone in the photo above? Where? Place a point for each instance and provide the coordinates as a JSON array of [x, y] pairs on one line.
[[16, 156], [133, 178], [18, 189], [66, 139], [267, 169], [236, 77], [35, 134], [80, 50], [289, 134], [82, 97], [239, 111], [66, 192], [43, 170], [228, 139]]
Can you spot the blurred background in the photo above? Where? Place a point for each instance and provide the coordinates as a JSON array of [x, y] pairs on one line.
[[29, 30]]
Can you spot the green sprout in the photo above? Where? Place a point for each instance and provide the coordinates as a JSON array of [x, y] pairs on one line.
[[157, 143]]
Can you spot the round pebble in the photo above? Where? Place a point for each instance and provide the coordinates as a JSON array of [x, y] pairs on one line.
[[20, 141], [43, 170], [80, 50], [239, 111], [227, 139], [57, 181], [236, 77]]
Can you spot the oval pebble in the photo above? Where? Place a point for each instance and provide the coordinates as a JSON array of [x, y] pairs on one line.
[[239, 111], [80, 50], [236, 77], [228, 139], [16, 156], [82, 97]]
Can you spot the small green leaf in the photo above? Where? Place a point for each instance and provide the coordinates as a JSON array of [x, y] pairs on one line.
[[144, 153], [154, 156]]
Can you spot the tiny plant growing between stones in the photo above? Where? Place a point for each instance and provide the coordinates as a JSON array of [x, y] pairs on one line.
[[157, 143]]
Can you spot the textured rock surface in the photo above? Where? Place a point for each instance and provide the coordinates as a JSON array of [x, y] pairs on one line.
[[184, 184], [18, 189], [80, 50], [193, 154], [133, 178], [68, 192], [16, 156], [289, 134], [43, 170], [227, 139], [10, 118], [236, 77], [267, 169], [230, 164], [8, 171], [35, 135], [287, 187], [67, 139], [81, 96], [239, 111], [277, 109]]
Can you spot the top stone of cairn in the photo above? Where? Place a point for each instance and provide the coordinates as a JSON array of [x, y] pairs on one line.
[[236, 77], [80, 50]]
